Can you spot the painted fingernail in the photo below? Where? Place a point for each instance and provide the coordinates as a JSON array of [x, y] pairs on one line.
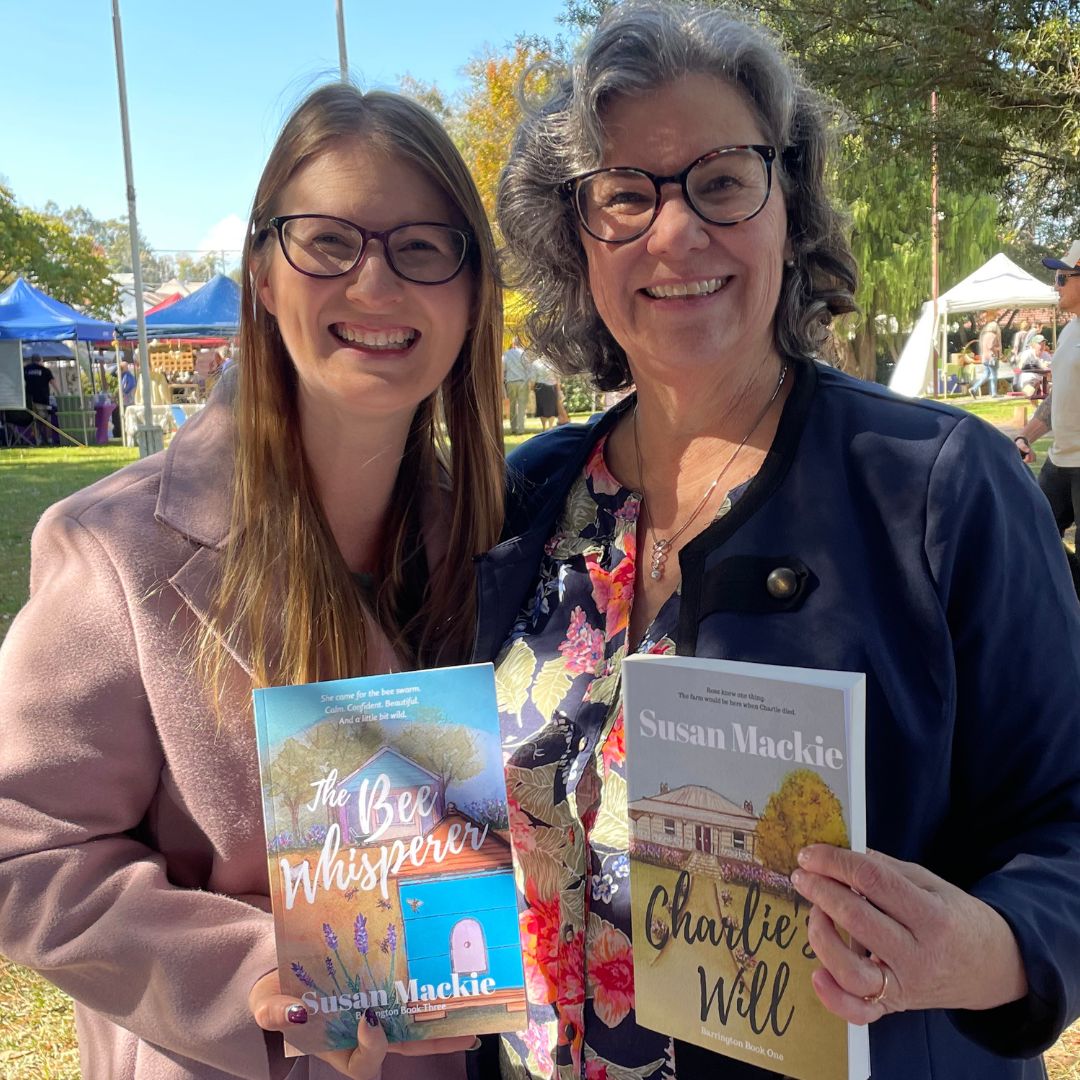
[[296, 1014], [371, 1018]]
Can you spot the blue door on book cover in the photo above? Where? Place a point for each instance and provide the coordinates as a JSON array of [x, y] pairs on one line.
[[454, 922]]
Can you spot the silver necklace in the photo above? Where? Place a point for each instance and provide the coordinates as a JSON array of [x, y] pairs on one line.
[[661, 546]]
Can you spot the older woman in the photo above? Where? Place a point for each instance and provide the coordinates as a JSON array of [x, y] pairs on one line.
[[666, 210]]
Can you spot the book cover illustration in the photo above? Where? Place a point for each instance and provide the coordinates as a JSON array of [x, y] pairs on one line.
[[389, 855], [731, 769]]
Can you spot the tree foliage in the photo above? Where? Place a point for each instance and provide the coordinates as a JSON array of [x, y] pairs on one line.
[[486, 119], [889, 208], [45, 250], [112, 236], [803, 810], [71, 255], [447, 750], [1007, 75], [291, 778]]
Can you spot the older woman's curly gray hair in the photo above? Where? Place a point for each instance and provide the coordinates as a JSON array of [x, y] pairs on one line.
[[637, 47]]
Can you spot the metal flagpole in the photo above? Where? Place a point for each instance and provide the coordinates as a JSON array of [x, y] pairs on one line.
[[149, 438], [941, 358], [343, 60]]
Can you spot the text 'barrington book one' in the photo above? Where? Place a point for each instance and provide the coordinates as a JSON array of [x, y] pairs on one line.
[[731, 769], [389, 855]]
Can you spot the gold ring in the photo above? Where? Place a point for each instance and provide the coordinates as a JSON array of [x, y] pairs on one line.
[[879, 997]]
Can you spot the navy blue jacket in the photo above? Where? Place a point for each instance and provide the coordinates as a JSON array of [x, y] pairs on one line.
[[927, 558]]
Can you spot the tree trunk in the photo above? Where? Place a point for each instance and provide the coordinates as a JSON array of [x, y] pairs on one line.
[[865, 349]]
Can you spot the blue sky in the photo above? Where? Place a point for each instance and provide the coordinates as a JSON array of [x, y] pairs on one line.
[[209, 83]]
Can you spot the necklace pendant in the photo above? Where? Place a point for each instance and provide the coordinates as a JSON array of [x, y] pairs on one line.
[[659, 557]]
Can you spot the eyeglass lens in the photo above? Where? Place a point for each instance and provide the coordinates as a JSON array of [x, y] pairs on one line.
[[723, 188], [1062, 276], [326, 247]]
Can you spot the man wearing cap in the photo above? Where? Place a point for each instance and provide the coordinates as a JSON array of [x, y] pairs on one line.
[[1060, 412]]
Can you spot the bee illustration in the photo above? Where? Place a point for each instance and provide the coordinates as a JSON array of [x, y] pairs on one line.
[[415, 904], [352, 892], [384, 904]]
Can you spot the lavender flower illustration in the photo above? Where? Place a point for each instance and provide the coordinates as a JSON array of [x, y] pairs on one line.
[[342, 1029], [333, 975], [332, 944], [360, 937], [388, 945]]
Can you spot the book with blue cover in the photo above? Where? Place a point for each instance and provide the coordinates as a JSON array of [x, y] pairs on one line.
[[388, 849]]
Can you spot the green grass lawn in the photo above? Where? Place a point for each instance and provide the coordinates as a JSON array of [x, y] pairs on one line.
[[37, 1035], [31, 480]]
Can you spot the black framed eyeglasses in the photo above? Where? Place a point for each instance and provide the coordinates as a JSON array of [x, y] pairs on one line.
[[1063, 275], [322, 246], [723, 187]]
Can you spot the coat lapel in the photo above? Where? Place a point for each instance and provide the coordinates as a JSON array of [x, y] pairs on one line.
[[195, 500]]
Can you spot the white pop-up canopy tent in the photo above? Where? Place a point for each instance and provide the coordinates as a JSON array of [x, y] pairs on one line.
[[999, 283]]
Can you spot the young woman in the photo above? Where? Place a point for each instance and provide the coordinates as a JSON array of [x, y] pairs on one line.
[[317, 520]]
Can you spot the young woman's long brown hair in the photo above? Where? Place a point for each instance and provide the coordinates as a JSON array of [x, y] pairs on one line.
[[285, 589]]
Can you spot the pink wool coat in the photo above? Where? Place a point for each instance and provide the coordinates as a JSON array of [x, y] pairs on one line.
[[132, 857]]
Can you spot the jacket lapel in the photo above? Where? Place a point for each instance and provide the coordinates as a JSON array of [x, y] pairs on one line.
[[195, 500]]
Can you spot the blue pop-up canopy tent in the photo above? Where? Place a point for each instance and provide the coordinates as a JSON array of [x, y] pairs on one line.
[[213, 311], [29, 314]]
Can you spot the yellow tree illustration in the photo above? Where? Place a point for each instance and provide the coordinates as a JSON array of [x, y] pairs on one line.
[[802, 811]]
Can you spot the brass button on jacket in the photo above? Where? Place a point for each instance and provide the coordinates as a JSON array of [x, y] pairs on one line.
[[782, 582]]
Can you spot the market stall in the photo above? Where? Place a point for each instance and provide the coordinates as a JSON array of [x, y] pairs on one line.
[[29, 315]]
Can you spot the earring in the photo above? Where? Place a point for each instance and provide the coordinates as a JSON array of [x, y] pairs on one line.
[[789, 263]]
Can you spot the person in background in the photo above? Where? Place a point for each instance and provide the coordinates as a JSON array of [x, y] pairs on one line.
[[1021, 339], [545, 379], [666, 214], [128, 382], [317, 520], [40, 385], [517, 378], [990, 357], [1059, 413], [1033, 368]]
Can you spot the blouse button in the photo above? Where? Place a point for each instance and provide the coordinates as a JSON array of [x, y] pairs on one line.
[[781, 583], [582, 743]]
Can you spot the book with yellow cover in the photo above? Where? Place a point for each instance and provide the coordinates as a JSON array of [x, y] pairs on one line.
[[731, 769], [388, 848]]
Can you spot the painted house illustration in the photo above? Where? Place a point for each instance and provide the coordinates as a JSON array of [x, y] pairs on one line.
[[403, 777], [695, 819], [460, 916]]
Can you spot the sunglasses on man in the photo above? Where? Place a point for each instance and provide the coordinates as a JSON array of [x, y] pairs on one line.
[[1063, 275]]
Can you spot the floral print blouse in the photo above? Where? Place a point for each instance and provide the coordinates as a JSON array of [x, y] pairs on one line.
[[558, 679]]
